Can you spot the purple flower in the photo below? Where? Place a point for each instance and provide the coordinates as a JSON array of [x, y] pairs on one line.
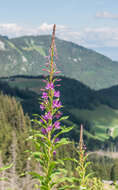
[[58, 79], [45, 96], [44, 117], [56, 103], [57, 124], [48, 116], [42, 107], [41, 120], [43, 80], [84, 147], [44, 131], [57, 94], [45, 70], [54, 152], [58, 114], [58, 85], [56, 140], [57, 72], [49, 86], [49, 128]]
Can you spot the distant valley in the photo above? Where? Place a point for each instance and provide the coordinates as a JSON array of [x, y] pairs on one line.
[[97, 110]]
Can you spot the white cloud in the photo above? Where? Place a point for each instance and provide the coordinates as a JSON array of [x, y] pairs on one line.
[[45, 27], [48, 27], [11, 28], [62, 31], [88, 37], [104, 36], [106, 15]]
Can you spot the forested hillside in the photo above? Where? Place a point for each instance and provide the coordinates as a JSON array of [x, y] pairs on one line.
[[83, 105], [14, 129]]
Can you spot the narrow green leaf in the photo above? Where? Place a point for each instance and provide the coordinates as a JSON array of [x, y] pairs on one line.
[[63, 130], [36, 175], [6, 167], [62, 142], [63, 118], [3, 179]]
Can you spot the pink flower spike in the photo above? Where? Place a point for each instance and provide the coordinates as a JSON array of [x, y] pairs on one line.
[[58, 85], [57, 72], [45, 95], [49, 128], [44, 117], [45, 70], [57, 94], [49, 86], [48, 116], [56, 104], [56, 140], [44, 131], [58, 79], [41, 120], [44, 80], [57, 124], [57, 115], [42, 107]]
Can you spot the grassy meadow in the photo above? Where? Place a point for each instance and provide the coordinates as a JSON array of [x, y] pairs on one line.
[[104, 119]]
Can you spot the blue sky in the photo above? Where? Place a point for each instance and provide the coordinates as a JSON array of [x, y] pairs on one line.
[[91, 23]]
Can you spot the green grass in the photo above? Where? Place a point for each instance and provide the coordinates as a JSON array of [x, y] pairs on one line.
[[36, 48], [115, 131], [101, 132], [14, 47], [102, 118]]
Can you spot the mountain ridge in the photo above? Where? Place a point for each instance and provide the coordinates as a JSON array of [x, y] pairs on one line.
[[25, 55]]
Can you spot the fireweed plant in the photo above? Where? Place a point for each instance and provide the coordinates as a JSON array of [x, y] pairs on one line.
[[81, 181], [46, 137], [84, 180], [82, 162]]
